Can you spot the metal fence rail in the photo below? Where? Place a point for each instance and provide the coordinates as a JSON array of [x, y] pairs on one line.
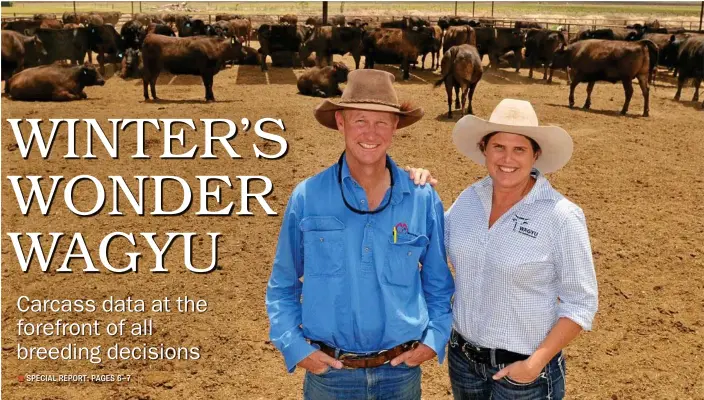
[[570, 24]]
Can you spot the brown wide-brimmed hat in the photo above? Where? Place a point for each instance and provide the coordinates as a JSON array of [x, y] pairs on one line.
[[368, 89]]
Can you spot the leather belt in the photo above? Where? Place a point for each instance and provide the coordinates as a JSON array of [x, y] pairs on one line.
[[482, 355], [367, 360]]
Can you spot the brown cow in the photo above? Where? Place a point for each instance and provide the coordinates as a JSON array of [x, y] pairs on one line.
[[55, 82], [527, 25], [194, 55], [93, 19], [608, 60], [404, 43], [461, 68], [457, 35], [433, 47], [74, 18], [248, 56], [51, 24], [109, 17], [288, 19], [242, 28], [19, 50], [323, 82], [338, 20], [44, 16]]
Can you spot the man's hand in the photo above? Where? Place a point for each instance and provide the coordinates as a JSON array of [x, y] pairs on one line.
[[414, 357], [520, 372], [318, 362], [421, 176]]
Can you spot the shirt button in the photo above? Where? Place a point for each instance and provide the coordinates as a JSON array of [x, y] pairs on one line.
[[410, 253], [366, 249], [322, 240], [368, 225], [362, 202]]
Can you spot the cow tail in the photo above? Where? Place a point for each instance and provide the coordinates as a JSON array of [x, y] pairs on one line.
[[453, 53], [653, 52]]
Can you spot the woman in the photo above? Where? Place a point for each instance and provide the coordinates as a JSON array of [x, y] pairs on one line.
[[525, 280]]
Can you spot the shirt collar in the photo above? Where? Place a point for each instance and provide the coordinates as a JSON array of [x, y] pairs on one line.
[[542, 190], [401, 184]]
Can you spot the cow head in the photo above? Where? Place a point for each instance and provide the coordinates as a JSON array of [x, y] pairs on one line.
[[561, 57], [89, 76], [340, 72]]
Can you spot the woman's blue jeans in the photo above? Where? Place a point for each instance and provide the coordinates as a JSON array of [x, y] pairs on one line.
[[473, 381]]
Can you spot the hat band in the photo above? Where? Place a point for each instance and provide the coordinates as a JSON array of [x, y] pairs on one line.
[[370, 101]]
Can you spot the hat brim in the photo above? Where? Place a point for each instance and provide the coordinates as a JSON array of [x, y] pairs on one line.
[[325, 112], [555, 143]]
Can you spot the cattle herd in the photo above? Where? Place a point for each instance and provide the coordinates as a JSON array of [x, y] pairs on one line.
[[43, 58]]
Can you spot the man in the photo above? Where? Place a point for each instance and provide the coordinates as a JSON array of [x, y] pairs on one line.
[[360, 291]]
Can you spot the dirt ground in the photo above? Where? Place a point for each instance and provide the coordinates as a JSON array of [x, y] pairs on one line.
[[639, 180]]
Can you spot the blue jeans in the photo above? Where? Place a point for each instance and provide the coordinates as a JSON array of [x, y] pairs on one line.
[[384, 382], [473, 381]]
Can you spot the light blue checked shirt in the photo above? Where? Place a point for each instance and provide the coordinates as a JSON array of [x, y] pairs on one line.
[[509, 278]]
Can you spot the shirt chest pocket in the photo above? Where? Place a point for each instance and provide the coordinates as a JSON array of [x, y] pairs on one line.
[[323, 246], [402, 260]]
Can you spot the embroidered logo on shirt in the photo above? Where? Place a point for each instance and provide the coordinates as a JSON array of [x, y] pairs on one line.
[[519, 226], [402, 228]]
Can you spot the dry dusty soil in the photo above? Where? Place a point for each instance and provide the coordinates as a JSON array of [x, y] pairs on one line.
[[639, 180]]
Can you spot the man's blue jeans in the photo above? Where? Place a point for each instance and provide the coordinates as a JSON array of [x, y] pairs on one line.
[[384, 382], [473, 381]]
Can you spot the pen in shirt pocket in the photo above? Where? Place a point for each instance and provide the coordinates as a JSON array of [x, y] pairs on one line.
[[395, 235]]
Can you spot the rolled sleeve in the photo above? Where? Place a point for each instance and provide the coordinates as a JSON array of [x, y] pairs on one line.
[[438, 284], [283, 295], [575, 268]]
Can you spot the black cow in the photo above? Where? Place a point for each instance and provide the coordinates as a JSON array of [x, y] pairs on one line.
[[405, 44], [132, 34], [107, 43], [406, 22], [23, 26], [498, 41], [540, 47], [605, 34], [198, 55], [64, 44], [328, 40], [690, 63], [192, 27], [280, 38]]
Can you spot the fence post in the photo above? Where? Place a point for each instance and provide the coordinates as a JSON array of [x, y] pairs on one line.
[[701, 17], [472, 9], [492, 9], [455, 9]]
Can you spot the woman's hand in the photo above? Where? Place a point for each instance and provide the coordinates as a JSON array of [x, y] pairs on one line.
[[421, 176], [520, 372]]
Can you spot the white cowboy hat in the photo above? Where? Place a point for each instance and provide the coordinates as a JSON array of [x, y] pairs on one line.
[[514, 116]]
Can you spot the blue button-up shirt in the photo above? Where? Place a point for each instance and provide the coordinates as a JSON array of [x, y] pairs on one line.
[[341, 278]]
